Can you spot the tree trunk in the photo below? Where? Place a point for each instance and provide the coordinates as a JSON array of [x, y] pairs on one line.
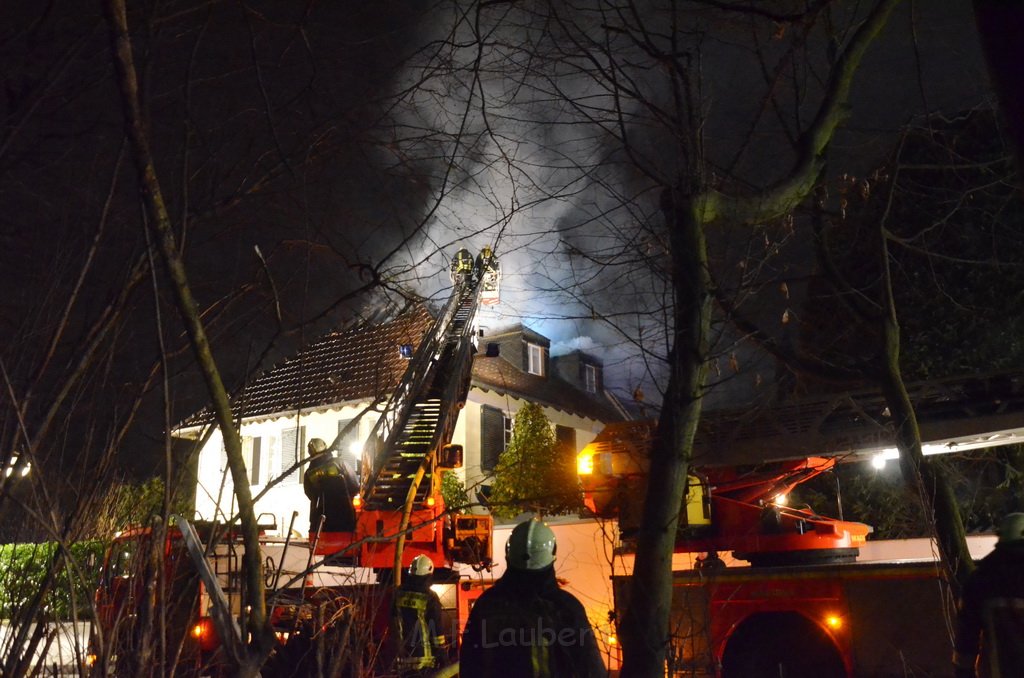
[[251, 657], [929, 482], [645, 627]]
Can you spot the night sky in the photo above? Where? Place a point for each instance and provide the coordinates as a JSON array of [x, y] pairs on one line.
[[309, 149]]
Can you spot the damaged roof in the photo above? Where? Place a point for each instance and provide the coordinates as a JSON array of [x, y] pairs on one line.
[[350, 366], [363, 363]]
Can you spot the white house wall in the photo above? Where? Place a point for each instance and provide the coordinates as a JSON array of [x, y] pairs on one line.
[[287, 497]]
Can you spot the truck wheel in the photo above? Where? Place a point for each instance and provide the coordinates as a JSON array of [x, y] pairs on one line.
[[774, 644]]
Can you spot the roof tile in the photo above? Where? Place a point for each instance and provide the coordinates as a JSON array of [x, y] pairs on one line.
[[363, 363]]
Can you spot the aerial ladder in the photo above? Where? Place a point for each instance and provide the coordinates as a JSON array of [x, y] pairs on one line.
[[400, 490], [399, 514]]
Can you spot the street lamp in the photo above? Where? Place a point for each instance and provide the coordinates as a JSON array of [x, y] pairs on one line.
[[13, 467]]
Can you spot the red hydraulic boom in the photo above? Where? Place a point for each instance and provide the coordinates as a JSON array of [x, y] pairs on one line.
[[726, 509]]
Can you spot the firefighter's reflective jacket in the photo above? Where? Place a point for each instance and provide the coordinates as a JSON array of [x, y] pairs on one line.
[[422, 643], [991, 616], [462, 263], [525, 625], [330, 486]]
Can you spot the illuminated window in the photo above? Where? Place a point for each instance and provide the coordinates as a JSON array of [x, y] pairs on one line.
[[535, 359]]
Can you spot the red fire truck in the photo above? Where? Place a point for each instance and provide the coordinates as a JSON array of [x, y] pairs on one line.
[[793, 600], [324, 594]]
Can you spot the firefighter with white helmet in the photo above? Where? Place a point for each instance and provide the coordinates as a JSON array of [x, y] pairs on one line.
[[526, 625], [531, 546], [990, 619], [422, 646]]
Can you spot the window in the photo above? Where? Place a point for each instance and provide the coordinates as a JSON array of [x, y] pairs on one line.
[[535, 359], [508, 431], [495, 431], [293, 449], [350, 447], [590, 378]]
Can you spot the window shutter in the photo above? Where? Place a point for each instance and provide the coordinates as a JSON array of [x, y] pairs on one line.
[[565, 453], [224, 470], [565, 437], [293, 448], [492, 437]]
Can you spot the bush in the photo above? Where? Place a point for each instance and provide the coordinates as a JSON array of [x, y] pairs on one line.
[[23, 568], [453, 491], [533, 474]]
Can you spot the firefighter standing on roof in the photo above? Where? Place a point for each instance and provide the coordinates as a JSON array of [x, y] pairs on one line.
[[525, 625], [422, 646], [991, 612]]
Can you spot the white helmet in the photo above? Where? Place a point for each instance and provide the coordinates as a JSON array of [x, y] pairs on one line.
[[1012, 528], [531, 546], [421, 566]]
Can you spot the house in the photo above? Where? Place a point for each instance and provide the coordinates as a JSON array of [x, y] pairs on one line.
[[333, 385]]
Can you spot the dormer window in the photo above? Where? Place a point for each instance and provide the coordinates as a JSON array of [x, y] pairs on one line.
[[535, 359], [590, 378]]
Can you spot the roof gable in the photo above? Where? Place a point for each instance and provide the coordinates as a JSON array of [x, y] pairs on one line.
[[501, 376]]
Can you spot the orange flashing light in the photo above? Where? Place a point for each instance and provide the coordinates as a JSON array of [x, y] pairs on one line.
[[204, 633], [430, 501], [357, 502], [834, 622]]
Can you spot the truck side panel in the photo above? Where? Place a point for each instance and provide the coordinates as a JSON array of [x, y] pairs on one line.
[[880, 620], [901, 625]]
